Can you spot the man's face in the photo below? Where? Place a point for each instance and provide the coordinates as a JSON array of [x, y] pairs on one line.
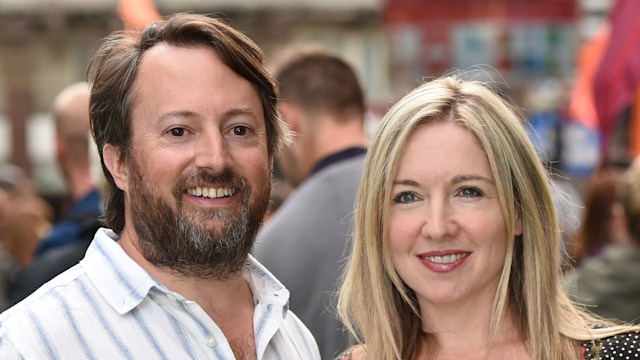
[[198, 179]]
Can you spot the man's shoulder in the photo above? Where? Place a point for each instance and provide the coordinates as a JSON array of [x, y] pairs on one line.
[[330, 192], [345, 171]]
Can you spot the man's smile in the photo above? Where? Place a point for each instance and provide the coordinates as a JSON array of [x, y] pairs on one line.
[[212, 192]]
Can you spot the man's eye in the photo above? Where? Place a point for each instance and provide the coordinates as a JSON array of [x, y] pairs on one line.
[[240, 130], [405, 197], [177, 132]]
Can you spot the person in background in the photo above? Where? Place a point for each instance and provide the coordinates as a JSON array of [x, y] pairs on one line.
[[304, 241], [595, 227], [29, 218], [67, 241], [24, 219], [184, 117], [607, 283], [70, 112], [457, 245]]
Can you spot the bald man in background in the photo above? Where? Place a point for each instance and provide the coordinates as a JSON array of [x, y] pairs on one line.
[[69, 238], [304, 243], [70, 112]]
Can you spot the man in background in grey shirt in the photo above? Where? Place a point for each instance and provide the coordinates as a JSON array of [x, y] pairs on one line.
[[305, 241]]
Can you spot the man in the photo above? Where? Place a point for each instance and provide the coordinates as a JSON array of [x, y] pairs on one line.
[[67, 241], [184, 116], [304, 242], [70, 112]]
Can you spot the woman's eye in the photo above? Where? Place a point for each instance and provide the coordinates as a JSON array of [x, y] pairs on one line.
[[405, 197], [177, 132], [470, 192]]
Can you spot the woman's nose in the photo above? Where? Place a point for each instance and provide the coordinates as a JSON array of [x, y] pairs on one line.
[[438, 222]]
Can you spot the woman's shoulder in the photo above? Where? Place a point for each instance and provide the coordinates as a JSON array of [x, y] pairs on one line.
[[353, 353], [620, 346]]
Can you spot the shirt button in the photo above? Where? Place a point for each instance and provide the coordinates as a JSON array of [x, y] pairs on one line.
[[211, 341]]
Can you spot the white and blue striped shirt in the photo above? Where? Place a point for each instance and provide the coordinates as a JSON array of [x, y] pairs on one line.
[[108, 307]]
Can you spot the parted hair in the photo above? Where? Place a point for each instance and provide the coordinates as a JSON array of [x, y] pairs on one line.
[[112, 72], [376, 305]]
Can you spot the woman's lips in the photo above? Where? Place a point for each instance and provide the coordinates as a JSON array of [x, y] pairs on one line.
[[443, 261]]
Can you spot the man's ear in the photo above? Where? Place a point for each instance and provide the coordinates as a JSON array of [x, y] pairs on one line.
[[116, 165], [290, 113], [61, 148]]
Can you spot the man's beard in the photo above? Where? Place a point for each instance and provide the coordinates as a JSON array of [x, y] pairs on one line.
[[178, 239]]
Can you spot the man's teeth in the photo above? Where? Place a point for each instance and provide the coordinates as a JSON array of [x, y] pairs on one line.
[[446, 259], [212, 193]]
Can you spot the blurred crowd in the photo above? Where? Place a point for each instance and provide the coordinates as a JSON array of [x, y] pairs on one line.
[[41, 238], [600, 217], [600, 214]]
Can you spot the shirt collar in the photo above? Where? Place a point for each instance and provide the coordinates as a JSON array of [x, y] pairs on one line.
[[125, 284], [119, 279], [336, 157], [265, 287]]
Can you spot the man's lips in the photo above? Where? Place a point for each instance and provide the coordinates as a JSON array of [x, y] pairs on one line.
[[212, 192]]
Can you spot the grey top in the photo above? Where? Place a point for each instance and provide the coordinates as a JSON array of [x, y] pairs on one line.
[[304, 245], [609, 283]]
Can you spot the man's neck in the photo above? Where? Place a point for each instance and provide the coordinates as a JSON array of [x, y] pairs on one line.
[[229, 303], [80, 184], [332, 137]]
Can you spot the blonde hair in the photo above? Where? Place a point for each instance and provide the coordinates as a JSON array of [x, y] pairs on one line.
[[376, 305]]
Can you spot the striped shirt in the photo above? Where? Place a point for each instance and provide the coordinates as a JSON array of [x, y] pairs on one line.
[[108, 307]]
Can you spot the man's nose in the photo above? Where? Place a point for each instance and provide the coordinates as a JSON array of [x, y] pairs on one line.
[[212, 152]]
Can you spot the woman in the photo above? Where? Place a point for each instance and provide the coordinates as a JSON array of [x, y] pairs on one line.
[[457, 245]]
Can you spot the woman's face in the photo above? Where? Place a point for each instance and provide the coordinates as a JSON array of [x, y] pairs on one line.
[[447, 234]]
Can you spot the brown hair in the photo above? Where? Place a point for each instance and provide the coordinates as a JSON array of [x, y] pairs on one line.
[[595, 229], [320, 81]]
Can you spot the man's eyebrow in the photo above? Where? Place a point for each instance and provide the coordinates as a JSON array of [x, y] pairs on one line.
[[240, 111], [177, 114], [191, 114]]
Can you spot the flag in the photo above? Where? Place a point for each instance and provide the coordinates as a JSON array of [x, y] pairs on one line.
[[581, 104], [618, 75], [137, 14], [634, 127]]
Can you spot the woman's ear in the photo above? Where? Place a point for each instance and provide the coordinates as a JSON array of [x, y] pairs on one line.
[[116, 166], [518, 225]]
